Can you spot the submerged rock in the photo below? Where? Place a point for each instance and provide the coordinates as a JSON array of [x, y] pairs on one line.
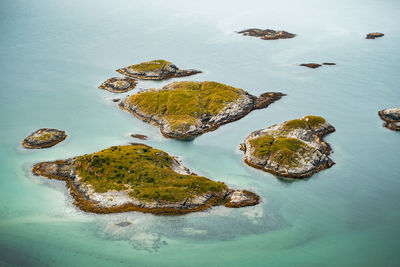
[[187, 109], [118, 85], [374, 35], [155, 70], [138, 177], [44, 138], [267, 34], [293, 149], [391, 116]]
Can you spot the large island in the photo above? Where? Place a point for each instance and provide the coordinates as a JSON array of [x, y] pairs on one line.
[[187, 109], [293, 149], [138, 177]]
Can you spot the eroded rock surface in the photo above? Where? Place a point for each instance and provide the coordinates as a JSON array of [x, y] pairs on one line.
[[293, 149], [44, 138], [374, 35]]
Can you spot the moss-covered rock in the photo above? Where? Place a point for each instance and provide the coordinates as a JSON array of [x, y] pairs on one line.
[[155, 70], [267, 34], [293, 149], [44, 138], [187, 109], [118, 85], [138, 177], [391, 116]]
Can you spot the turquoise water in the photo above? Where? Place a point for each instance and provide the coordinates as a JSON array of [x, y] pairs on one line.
[[54, 54]]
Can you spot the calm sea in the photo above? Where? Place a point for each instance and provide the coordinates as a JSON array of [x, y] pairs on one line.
[[54, 54]]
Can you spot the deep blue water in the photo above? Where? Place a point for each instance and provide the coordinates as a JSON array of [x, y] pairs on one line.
[[54, 54]]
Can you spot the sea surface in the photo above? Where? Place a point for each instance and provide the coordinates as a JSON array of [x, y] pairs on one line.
[[54, 54]]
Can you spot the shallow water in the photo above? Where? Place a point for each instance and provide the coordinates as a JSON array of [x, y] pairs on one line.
[[54, 54]]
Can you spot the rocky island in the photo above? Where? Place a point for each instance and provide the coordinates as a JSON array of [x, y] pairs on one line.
[[155, 70], [267, 34], [315, 65], [374, 35], [294, 149], [138, 177], [187, 109], [44, 138], [118, 84], [391, 116]]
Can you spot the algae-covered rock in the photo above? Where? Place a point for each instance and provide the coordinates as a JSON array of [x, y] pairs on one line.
[[44, 138], [293, 149], [118, 85], [187, 109], [155, 70], [267, 34], [138, 177], [391, 116]]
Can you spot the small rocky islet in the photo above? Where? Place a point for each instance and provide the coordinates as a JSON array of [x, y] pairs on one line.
[[267, 34], [155, 70], [391, 116], [138, 177], [293, 149], [316, 65], [374, 35], [44, 138], [118, 84], [186, 109]]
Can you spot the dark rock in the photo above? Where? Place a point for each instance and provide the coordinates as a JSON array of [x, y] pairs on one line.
[[391, 116], [328, 63], [267, 34], [311, 65], [116, 100], [139, 136], [374, 35]]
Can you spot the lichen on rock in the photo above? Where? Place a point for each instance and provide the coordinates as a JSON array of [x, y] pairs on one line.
[[187, 109], [138, 177], [155, 70], [293, 149]]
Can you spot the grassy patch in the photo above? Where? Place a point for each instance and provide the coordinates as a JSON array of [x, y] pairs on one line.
[[304, 123], [146, 171], [186, 102], [44, 137], [283, 150], [150, 65]]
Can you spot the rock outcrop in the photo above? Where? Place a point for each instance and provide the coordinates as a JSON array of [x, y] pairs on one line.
[[139, 178], [293, 149], [44, 138], [267, 34], [187, 109], [139, 136], [155, 70], [118, 85], [391, 116], [316, 65], [374, 35]]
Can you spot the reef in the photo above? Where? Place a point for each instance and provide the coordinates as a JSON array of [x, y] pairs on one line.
[[294, 149], [391, 116], [44, 138], [139, 136], [374, 35], [186, 109], [267, 34], [140, 178], [118, 85], [155, 70]]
